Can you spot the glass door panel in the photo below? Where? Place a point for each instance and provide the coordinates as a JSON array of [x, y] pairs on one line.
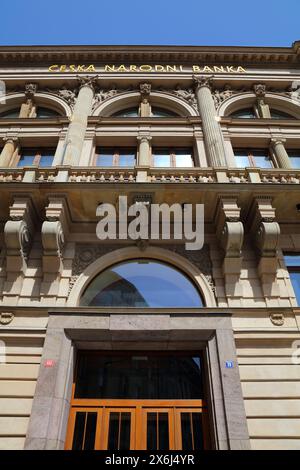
[[189, 429], [157, 429], [86, 424], [119, 429]]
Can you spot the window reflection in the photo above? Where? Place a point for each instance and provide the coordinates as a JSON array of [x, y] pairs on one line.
[[292, 261], [141, 283], [124, 157], [40, 157], [257, 158], [139, 376], [172, 157]]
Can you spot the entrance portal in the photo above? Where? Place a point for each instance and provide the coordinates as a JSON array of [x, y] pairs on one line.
[[138, 400]]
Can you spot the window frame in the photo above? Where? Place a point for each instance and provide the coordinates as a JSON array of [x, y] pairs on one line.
[[251, 157], [172, 156], [37, 157], [115, 156]]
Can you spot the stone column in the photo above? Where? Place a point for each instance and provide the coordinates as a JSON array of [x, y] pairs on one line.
[[77, 128], [213, 138], [11, 144], [280, 153], [144, 150]]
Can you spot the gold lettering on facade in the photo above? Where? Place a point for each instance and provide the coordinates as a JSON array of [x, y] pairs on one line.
[[167, 68]]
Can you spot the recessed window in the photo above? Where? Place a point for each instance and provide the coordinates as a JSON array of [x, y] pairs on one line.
[[294, 158], [141, 283], [129, 112], [11, 113], [44, 113], [275, 114], [109, 156], [292, 261], [258, 158], [161, 112], [172, 157], [42, 157], [246, 113]]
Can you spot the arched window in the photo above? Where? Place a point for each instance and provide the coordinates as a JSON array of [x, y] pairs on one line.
[[251, 113], [128, 112], [246, 113], [11, 113], [44, 113], [162, 112], [141, 283]]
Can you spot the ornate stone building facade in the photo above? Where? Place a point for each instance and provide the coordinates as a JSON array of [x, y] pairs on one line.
[[202, 125]]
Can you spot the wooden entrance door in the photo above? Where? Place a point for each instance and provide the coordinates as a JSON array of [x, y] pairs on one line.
[[137, 425]]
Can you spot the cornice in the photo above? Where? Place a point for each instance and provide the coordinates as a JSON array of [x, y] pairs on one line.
[[24, 55]]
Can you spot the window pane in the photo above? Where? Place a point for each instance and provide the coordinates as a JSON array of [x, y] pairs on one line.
[[295, 279], [26, 160], [105, 160], [130, 112], [262, 161], [160, 160], [292, 259], [137, 376], [127, 157], [160, 112], [184, 160], [295, 159], [46, 113], [141, 284], [46, 160], [280, 115], [12, 113], [242, 161], [247, 113]]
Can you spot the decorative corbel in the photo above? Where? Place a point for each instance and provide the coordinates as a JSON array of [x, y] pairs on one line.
[[145, 90], [266, 235], [54, 231], [230, 233], [18, 233]]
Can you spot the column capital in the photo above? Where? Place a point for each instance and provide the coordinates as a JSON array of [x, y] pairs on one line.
[[144, 138], [277, 140], [201, 81], [87, 81], [11, 138]]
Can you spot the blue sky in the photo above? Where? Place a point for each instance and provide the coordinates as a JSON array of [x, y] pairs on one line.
[[192, 22]]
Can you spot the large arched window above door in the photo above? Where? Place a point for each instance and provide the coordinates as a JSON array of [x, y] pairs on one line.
[[141, 283]]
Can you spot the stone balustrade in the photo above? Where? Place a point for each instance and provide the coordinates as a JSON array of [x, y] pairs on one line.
[[66, 174]]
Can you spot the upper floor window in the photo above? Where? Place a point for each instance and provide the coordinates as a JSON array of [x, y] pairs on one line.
[[129, 112], [161, 112], [172, 157], [292, 261], [109, 156], [155, 112], [252, 113], [258, 158], [294, 158], [247, 113], [11, 113], [44, 113], [42, 157]]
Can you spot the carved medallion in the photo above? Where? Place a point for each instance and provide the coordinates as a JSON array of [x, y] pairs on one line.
[[6, 318]]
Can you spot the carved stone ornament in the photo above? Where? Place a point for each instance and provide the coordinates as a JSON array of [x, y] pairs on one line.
[[202, 81], [145, 90], [88, 80], [104, 94], [6, 318], [53, 233], [187, 94], [30, 90], [277, 319], [260, 90], [67, 95]]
